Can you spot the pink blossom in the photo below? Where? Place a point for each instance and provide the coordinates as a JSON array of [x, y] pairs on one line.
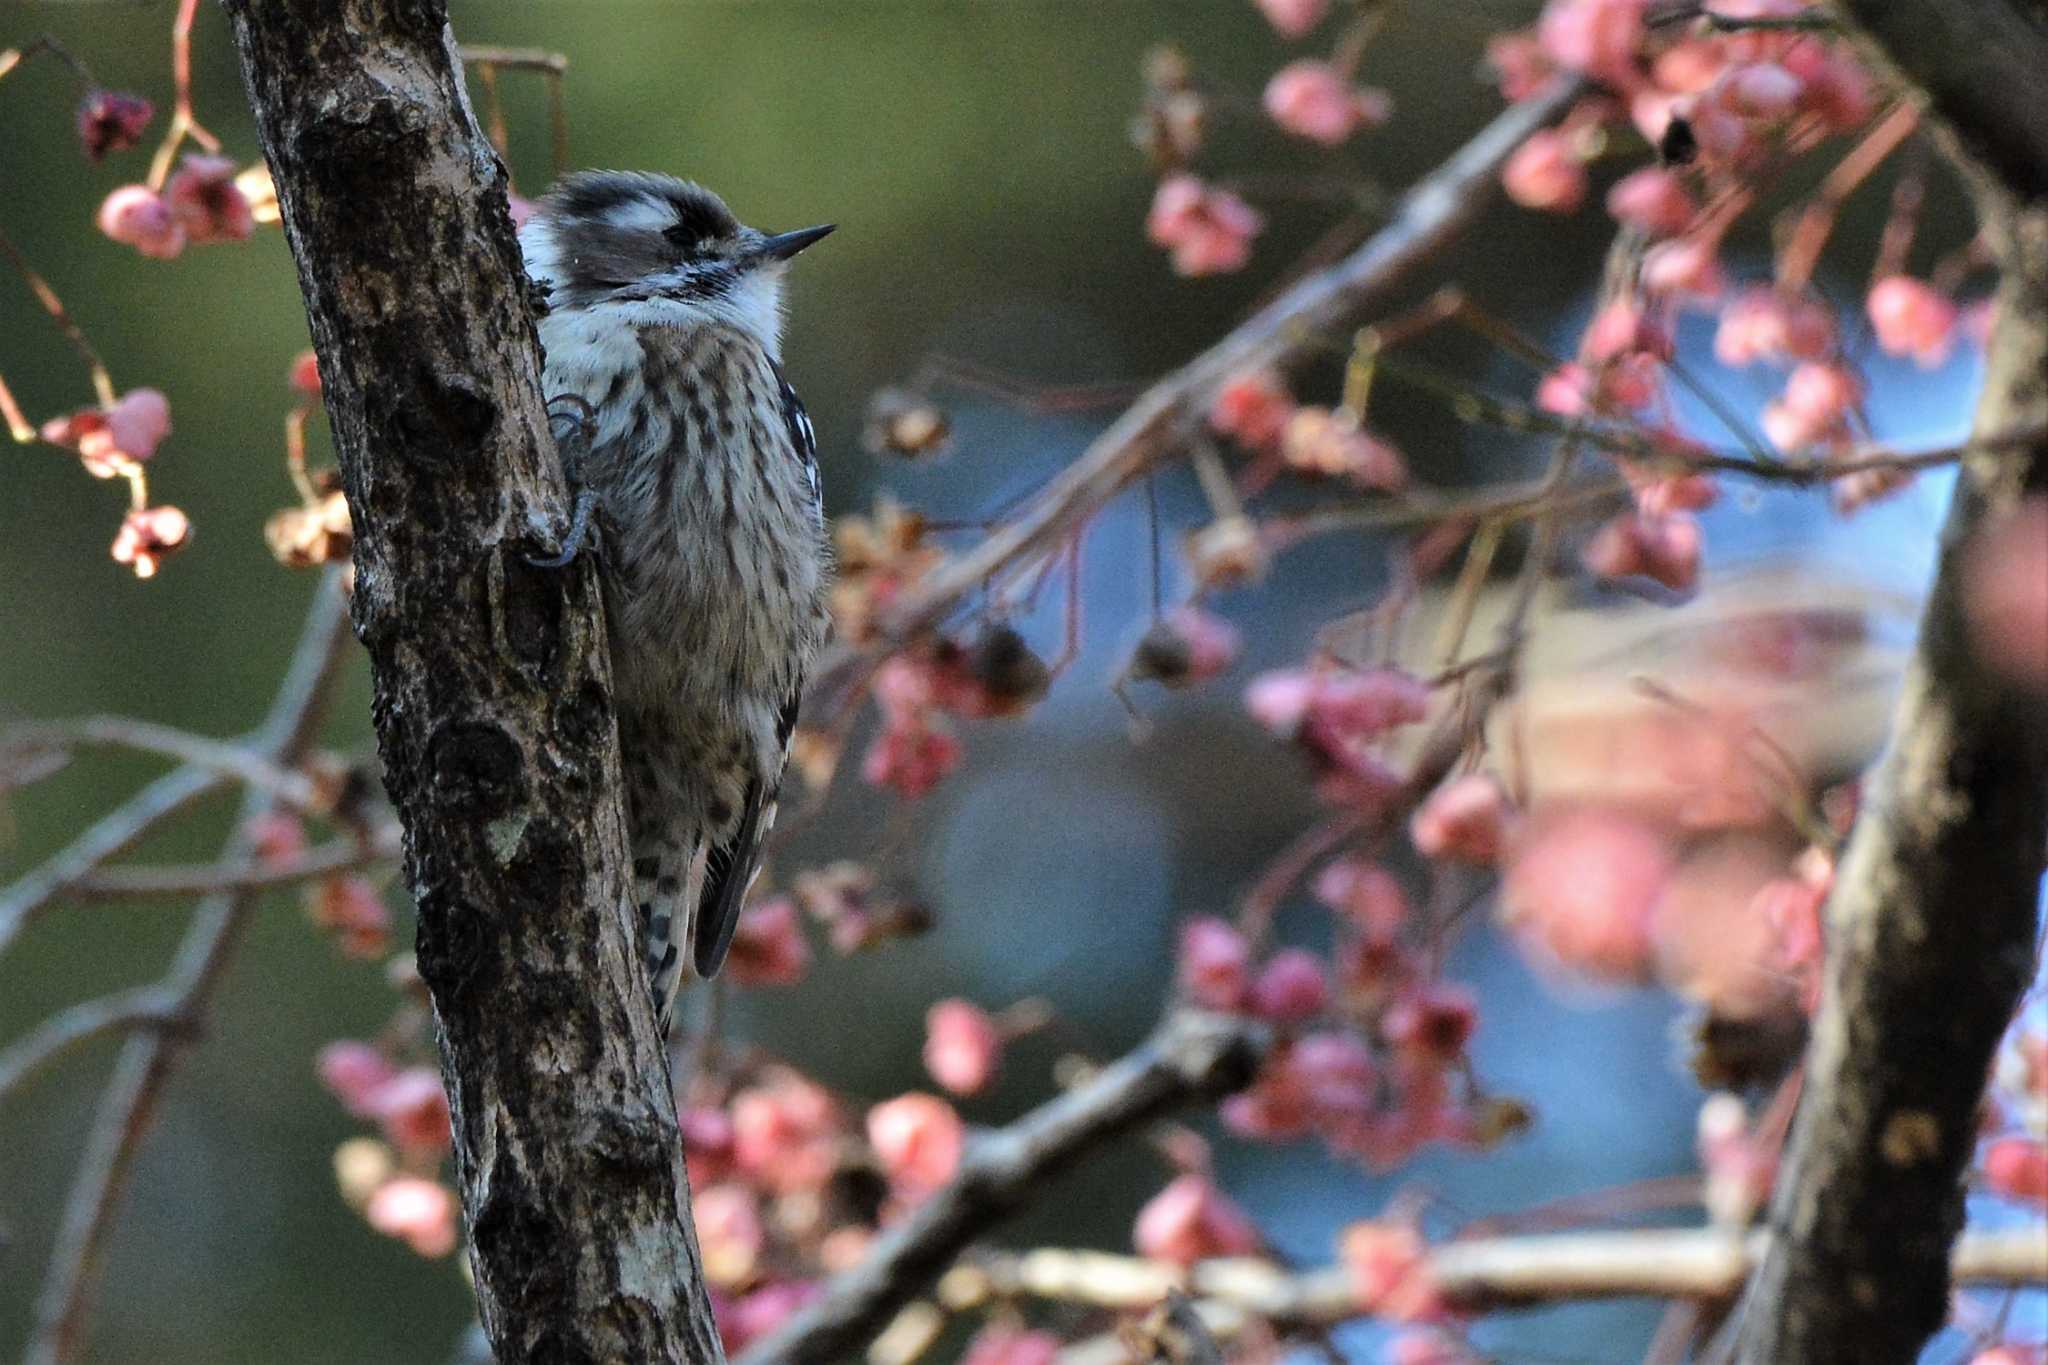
[[1665, 549], [304, 375], [350, 908], [1913, 319], [2017, 1169], [729, 1232], [1208, 230], [1290, 987], [419, 1212], [1543, 173], [769, 948], [961, 1045], [207, 202], [1837, 88], [1274, 1109], [1319, 441], [1467, 819], [1388, 1263], [111, 121], [1366, 703], [754, 1315], [1191, 1220], [918, 1139], [1432, 1023], [1429, 1348], [2005, 594], [137, 216], [910, 758], [111, 441], [1654, 200], [1520, 64], [1759, 90], [413, 1109], [1583, 888], [138, 423], [1690, 65], [1688, 267], [1252, 409], [150, 536], [1598, 37], [276, 837], [707, 1144], [355, 1072], [1791, 908], [1762, 323], [1310, 99], [785, 1134], [1335, 1073], [1816, 400], [1365, 893], [1215, 964], [1293, 18], [1621, 329], [998, 1344]]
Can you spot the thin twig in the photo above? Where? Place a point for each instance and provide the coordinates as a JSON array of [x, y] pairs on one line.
[[146, 1007], [224, 757], [205, 879], [128, 1106]]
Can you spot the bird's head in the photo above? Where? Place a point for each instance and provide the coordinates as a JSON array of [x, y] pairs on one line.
[[662, 249]]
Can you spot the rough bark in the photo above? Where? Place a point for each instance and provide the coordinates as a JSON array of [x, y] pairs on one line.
[[1933, 921], [492, 686]]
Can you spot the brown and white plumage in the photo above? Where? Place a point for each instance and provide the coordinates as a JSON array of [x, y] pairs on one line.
[[665, 319]]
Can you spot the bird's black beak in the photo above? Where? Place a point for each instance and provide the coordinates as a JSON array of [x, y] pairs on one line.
[[784, 245]]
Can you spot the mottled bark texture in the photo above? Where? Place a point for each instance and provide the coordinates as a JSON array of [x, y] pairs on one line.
[[1933, 922], [492, 688]]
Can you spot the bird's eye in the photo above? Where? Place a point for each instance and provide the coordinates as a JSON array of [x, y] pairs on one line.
[[681, 235]]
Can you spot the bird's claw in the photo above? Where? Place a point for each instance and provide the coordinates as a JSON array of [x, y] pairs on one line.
[[571, 421]]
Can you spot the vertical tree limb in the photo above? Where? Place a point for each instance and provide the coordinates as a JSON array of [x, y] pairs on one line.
[[492, 685], [1932, 923]]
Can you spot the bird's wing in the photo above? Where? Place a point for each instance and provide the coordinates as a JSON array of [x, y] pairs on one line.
[[731, 867]]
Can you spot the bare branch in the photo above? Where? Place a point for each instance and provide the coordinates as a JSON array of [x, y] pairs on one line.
[[1193, 1056], [202, 879], [1474, 1276], [225, 757], [112, 835], [148, 1007], [128, 1107]]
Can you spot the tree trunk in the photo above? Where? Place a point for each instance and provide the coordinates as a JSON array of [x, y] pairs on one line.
[[492, 683], [1933, 922]]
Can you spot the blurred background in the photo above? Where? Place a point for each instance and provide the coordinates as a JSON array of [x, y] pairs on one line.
[[976, 157]]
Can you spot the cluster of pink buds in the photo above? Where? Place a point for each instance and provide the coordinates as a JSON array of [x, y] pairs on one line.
[[1337, 718], [1208, 230], [203, 201], [111, 121]]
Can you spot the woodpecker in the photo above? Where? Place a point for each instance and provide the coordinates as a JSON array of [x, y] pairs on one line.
[[693, 456]]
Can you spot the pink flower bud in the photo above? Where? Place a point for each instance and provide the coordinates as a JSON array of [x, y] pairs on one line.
[[1544, 174], [138, 423], [354, 1072], [207, 202], [111, 121], [1191, 1220], [1209, 231], [150, 536], [910, 759], [1620, 329], [1335, 1072], [419, 1212], [1252, 409], [961, 1046], [1215, 964], [1654, 200], [137, 216], [413, 1109], [759, 1313], [1293, 18], [1665, 549], [1685, 266], [1466, 819], [305, 374], [1290, 987], [1365, 893], [351, 909], [1310, 99], [276, 838], [918, 1139], [1388, 1263], [2017, 1168], [729, 1232], [998, 1344], [1432, 1023], [1583, 888], [769, 948], [1912, 319]]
